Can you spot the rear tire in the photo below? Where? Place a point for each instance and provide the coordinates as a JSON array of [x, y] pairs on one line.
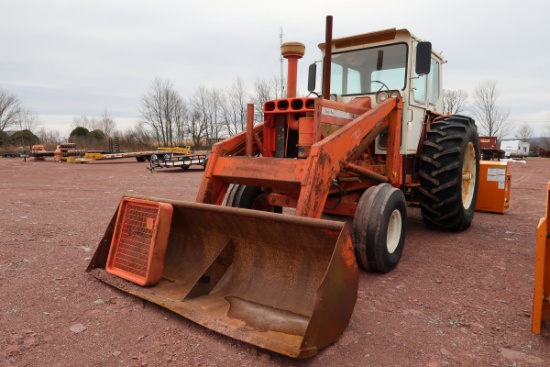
[[379, 228], [250, 197], [449, 173]]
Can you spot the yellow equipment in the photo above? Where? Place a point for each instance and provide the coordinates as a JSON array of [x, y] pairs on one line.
[[176, 150]]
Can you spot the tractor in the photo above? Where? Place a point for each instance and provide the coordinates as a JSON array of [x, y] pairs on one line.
[[288, 209]]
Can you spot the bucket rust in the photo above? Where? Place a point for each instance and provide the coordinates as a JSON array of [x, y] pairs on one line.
[[284, 283]]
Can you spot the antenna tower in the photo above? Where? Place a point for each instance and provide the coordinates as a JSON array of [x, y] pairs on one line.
[[282, 80]]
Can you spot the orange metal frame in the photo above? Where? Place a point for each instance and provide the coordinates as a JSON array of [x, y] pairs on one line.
[[541, 296], [307, 182]]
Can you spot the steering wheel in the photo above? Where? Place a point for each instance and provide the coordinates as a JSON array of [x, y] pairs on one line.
[[383, 85]]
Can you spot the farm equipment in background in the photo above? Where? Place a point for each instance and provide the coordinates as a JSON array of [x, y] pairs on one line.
[[541, 295], [183, 162], [68, 152], [38, 153], [142, 156], [489, 148], [375, 142]]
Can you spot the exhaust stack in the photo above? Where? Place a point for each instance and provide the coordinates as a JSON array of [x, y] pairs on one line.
[[292, 51]]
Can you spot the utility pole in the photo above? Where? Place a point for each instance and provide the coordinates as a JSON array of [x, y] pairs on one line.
[[282, 80]]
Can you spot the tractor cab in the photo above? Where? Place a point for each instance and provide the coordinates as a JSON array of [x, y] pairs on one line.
[[384, 64]]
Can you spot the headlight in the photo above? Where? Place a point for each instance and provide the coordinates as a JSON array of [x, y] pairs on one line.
[[383, 95]]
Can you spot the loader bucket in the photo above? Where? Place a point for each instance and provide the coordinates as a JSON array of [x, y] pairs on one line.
[[280, 282]]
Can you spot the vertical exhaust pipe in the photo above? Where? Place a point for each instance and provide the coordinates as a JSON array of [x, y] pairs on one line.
[[292, 51], [328, 58]]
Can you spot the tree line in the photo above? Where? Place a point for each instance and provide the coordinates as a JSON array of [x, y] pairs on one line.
[[210, 114], [491, 117], [207, 116], [166, 118]]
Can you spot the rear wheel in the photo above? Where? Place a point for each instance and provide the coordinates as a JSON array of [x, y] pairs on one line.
[[449, 173], [379, 228], [250, 197]]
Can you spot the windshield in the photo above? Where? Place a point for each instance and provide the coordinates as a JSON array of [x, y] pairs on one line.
[[369, 70]]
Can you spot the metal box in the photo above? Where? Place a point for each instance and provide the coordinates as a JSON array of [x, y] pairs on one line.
[[494, 187]]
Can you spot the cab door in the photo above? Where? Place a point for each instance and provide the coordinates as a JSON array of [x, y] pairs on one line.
[[424, 94]]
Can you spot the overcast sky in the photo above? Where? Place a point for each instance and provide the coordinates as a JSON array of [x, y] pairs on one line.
[[69, 58]]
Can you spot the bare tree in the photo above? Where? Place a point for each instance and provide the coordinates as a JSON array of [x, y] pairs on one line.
[[135, 137], [234, 108], [50, 139], [105, 123], [163, 111], [491, 118], [263, 91], [28, 120], [215, 125], [10, 108], [454, 101], [197, 128], [524, 132], [84, 121], [205, 122]]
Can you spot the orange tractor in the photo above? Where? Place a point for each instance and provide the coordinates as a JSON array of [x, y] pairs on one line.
[[279, 276]]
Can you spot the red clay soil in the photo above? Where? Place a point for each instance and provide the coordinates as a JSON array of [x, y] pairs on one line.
[[456, 299]]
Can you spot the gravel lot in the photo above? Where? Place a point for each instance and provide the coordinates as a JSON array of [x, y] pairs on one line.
[[455, 299]]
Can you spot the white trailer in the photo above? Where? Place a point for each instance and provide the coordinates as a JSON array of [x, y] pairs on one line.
[[515, 148]]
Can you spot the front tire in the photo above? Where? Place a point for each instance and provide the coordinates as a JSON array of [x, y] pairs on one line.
[[250, 197], [449, 173], [379, 228]]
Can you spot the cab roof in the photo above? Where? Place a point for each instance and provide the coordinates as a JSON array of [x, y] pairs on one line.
[[366, 39]]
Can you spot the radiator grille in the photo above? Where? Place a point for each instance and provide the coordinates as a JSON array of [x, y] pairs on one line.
[[139, 241], [136, 237]]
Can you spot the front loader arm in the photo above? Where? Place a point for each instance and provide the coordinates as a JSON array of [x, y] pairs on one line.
[[310, 178], [330, 156], [212, 191]]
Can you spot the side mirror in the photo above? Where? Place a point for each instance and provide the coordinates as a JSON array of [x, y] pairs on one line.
[[423, 58], [312, 75]]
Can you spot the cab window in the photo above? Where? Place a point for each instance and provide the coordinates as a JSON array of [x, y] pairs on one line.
[[369, 70], [433, 82], [419, 88]]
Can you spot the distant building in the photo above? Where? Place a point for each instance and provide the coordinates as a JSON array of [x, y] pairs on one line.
[[515, 148]]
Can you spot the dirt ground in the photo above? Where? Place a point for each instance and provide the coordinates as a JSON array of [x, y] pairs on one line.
[[454, 300]]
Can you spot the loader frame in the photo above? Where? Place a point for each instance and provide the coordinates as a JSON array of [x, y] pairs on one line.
[[309, 184]]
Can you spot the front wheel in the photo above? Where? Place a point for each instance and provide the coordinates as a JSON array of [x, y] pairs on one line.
[[379, 228], [449, 173], [250, 197]]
